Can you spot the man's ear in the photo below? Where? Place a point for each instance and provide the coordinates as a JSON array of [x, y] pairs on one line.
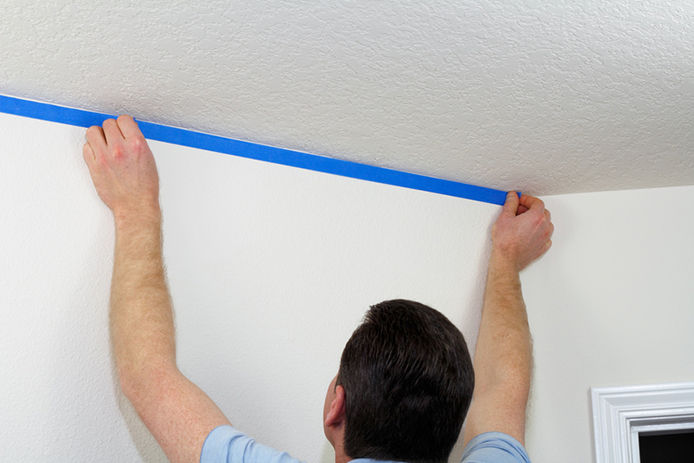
[[336, 413]]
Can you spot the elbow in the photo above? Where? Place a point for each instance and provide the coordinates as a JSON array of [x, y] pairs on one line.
[[128, 382], [140, 383]]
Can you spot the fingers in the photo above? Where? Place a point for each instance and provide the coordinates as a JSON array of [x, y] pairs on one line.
[[545, 220], [113, 134], [128, 127], [511, 204], [532, 202], [88, 153], [96, 139], [90, 159]]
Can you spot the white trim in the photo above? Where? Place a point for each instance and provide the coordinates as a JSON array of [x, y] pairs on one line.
[[620, 413]]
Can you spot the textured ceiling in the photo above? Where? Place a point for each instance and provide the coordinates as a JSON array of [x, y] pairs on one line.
[[549, 97]]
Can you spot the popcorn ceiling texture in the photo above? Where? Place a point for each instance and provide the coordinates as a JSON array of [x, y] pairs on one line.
[[549, 98]]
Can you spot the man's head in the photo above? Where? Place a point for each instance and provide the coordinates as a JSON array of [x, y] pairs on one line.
[[405, 381]]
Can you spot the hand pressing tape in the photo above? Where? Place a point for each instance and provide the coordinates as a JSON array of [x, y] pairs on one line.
[[168, 134]]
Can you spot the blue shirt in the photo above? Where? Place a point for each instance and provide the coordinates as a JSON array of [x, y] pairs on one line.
[[225, 444]]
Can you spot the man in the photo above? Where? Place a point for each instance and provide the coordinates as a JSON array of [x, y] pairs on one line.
[[405, 379]]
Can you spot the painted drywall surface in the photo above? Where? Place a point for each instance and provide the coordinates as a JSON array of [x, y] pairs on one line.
[[548, 97], [270, 269], [610, 305], [59, 401], [264, 302]]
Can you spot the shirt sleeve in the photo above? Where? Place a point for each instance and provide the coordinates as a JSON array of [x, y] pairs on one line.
[[494, 447], [224, 444]]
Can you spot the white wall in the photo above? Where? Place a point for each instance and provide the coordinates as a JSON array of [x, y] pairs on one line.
[[612, 304], [270, 268]]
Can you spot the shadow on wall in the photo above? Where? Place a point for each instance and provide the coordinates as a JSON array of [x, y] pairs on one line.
[[328, 453], [147, 447], [83, 356]]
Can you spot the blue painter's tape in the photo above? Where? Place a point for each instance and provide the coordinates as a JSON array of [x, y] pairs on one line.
[[82, 118]]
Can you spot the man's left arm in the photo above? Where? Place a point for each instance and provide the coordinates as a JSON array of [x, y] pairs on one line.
[[175, 410]]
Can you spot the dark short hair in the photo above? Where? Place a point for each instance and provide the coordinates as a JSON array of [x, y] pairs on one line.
[[408, 383]]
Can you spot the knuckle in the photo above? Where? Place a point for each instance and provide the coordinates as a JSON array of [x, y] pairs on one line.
[[539, 218], [117, 151], [102, 161], [137, 143]]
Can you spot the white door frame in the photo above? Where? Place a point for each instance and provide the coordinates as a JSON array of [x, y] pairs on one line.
[[621, 413]]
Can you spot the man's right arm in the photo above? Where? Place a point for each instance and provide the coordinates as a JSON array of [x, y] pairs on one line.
[[178, 413], [503, 357]]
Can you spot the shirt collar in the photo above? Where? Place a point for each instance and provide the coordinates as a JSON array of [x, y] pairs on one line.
[[369, 460]]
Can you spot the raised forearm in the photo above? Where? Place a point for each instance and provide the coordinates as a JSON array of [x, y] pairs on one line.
[[503, 357], [141, 320], [177, 412], [504, 354]]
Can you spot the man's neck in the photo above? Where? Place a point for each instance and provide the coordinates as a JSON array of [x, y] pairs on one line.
[[340, 455]]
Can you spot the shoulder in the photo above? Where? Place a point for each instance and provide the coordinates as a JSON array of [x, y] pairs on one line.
[[227, 444], [494, 447]]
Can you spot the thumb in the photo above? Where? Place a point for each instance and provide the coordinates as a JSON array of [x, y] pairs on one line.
[[511, 204]]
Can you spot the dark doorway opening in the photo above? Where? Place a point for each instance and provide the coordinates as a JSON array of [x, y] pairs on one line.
[[673, 447]]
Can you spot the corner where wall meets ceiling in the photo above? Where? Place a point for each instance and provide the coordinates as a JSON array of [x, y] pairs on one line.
[[548, 99]]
